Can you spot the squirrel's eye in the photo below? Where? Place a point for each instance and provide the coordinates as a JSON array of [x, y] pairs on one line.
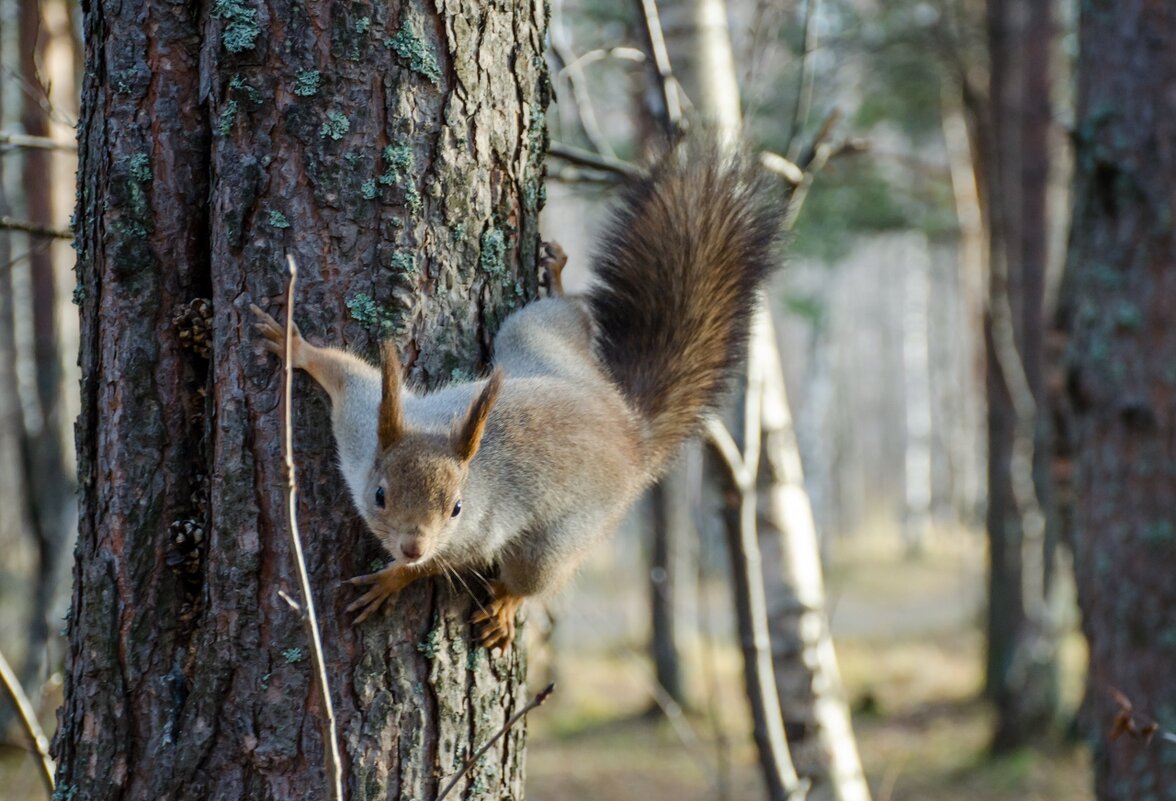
[[380, 497], [456, 509]]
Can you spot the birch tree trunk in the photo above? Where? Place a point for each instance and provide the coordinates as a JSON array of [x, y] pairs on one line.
[[1117, 306], [396, 150], [807, 680]]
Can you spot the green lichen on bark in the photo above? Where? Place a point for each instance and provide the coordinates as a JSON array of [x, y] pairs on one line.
[[398, 161], [368, 189], [277, 219], [403, 262], [241, 86], [307, 83], [140, 166], [335, 126], [377, 320], [421, 58], [241, 28], [224, 121], [492, 259]]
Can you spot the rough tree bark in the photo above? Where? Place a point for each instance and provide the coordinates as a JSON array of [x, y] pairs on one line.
[[1021, 662], [1117, 306], [396, 150]]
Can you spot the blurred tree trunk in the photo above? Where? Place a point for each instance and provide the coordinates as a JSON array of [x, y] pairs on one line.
[[1021, 663], [805, 674], [673, 535], [1120, 384], [397, 152], [808, 679], [669, 525], [916, 355], [47, 488]]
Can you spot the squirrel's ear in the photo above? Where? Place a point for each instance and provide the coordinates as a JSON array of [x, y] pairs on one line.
[[391, 427], [468, 435]]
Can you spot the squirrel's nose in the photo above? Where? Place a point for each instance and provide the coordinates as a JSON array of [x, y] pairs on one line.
[[411, 550]]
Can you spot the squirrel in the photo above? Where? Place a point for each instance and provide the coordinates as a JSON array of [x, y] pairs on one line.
[[588, 400]]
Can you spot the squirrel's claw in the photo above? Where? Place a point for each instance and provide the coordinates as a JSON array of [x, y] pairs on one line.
[[496, 621], [384, 584], [273, 331], [552, 261]]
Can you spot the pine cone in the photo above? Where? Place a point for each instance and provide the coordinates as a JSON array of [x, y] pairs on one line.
[[184, 540], [193, 321]]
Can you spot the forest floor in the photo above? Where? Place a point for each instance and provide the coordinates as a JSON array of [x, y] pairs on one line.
[[908, 637]]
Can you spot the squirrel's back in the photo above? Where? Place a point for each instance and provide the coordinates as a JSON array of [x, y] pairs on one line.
[[678, 272]]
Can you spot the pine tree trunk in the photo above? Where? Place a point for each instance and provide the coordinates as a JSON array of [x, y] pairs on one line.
[[1022, 666], [1120, 384], [396, 151]]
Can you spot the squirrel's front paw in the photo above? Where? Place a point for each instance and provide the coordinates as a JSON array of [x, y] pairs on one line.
[[384, 584], [496, 621]]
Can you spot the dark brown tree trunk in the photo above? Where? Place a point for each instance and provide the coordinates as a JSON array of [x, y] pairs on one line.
[[396, 151], [669, 524], [1021, 674], [1118, 304]]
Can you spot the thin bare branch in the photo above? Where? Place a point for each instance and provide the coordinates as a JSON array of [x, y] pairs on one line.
[[661, 60], [573, 71], [38, 96], [333, 764], [600, 54], [575, 175], [535, 702], [28, 718], [727, 450], [804, 79], [10, 224], [788, 170], [750, 593], [11, 140], [586, 158]]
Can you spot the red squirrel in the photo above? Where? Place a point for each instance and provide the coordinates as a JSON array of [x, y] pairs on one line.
[[590, 395]]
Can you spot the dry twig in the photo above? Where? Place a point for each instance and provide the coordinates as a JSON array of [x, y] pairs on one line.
[[11, 141], [596, 161], [661, 59], [29, 720], [537, 701], [334, 768], [10, 224]]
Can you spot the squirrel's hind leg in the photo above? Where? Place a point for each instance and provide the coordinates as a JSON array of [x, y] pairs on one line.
[[552, 261], [496, 621]]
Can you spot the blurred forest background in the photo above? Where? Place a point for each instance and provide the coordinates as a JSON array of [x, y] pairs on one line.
[[915, 326]]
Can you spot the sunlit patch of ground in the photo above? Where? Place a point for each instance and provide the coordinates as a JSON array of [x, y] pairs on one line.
[[911, 654]]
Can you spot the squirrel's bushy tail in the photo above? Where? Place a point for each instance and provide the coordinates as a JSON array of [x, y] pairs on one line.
[[678, 270]]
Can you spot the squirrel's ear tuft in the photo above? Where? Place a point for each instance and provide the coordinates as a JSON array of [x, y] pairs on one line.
[[468, 435], [391, 428]]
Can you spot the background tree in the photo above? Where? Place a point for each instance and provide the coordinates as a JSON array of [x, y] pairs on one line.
[[1012, 125], [396, 151], [1117, 310]]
